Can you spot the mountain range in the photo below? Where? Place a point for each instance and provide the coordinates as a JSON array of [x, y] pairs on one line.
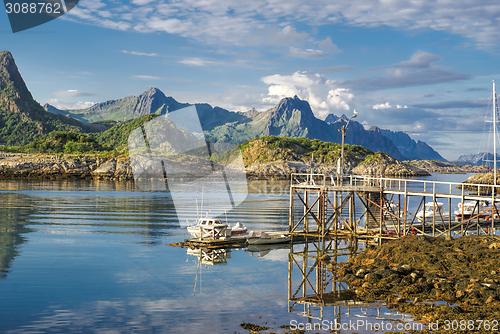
[[23, 120], [292, 117], [482, 158]]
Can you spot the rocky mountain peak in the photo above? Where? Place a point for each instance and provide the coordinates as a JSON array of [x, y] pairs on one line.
[[22, 119], [12, 84], [287, 106], [154, 92]]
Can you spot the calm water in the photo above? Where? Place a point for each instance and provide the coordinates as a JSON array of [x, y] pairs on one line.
[[81, 256]]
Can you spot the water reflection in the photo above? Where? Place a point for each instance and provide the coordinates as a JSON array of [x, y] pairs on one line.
[[92, 257], [263, 250], [210, 256], [315, 294], [14, 214], [65, 185]]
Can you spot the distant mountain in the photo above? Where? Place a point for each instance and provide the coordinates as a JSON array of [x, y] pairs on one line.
[[293, 117], [152, 101], [483, 158], [22, 119], [409, 147], [50, 108]]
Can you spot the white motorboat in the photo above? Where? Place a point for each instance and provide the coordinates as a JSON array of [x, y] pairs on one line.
[[214, 228], [263, 238], [209, 228], [469, 209], [432, 211]]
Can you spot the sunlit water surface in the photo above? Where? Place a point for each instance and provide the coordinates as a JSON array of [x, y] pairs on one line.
[[93, 256]]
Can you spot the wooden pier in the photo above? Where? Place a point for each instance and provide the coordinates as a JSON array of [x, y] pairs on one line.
[[367, 207]]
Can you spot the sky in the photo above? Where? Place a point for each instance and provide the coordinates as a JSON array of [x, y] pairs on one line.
[[422, 67]]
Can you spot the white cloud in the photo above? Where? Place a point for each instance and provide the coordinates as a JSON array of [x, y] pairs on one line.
[[420, 59], [382, 106], [322, 94], [327, 45], [307, 53], [245, 23], [287, 36], [69, 105], [147, 77], [140, 53], [71, 93], [416, 71], [141, 2], [401, 107], [339, 98], [196, 62]]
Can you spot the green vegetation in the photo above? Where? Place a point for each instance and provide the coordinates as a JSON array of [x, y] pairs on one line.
[[62, 142], [117, 136], [113, 140], [376, 156], [272, 148]]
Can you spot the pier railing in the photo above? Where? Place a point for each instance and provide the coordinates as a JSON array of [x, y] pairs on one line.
[[328, 202], [399, 185], [428, 188]]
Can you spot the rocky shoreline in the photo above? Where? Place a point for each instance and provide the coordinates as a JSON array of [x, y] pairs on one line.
[[58, 166], [63, 166], [434, 166], [431, 278]]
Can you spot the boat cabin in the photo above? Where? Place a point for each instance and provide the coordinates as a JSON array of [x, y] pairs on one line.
[[209, 222]]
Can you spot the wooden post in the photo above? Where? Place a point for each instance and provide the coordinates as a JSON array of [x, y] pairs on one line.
[[434, 209], [423, 217], [335, 216], [306, 227], [406, 209], [290, 214], [493, 206], [462, 215], [449, 218], [398, 229], [381, 216], [290, 268]]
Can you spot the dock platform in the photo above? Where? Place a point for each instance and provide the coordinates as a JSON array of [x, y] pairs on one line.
[[368, 206]]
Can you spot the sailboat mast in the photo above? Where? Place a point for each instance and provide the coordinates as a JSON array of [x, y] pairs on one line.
[[494, 135]]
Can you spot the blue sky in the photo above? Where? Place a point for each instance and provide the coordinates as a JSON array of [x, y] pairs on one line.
[[423, 67]]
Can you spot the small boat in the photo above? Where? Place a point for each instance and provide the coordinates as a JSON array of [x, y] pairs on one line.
[[432, 210], [214, 228], [238, 228], [209, 228], [473, 209], [263, 238]]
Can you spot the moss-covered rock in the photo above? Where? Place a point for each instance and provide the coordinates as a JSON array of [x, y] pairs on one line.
[[383, 164]]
